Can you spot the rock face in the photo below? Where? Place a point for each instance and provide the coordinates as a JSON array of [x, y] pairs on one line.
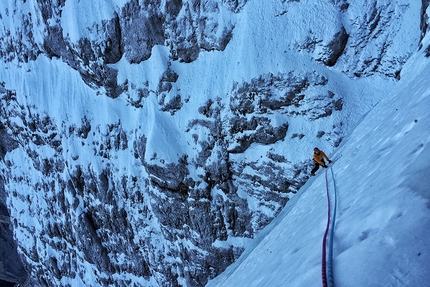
[[11, 268], [168, 191]]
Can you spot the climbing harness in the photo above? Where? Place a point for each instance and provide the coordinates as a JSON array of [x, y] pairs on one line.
[[327, 261]]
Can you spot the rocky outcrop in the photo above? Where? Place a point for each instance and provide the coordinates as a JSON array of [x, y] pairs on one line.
[[184, 26], [374, 42]]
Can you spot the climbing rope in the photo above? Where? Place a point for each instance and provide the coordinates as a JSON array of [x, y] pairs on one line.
[[327, 261], [324, 242], [330, 245]]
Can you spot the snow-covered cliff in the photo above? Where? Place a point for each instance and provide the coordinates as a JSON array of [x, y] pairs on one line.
[[147, 142], [379, 205]]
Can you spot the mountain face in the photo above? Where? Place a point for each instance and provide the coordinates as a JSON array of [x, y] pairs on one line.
[[145, 143]]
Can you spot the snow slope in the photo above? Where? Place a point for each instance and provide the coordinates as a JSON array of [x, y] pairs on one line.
[[382, 230]]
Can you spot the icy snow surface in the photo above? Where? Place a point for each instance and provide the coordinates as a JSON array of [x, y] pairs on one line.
[[382, 231]]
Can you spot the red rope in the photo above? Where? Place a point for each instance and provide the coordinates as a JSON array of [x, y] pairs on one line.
[[324, 244]]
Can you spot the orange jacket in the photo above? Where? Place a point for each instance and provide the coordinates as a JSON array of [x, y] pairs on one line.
[[319, 158]]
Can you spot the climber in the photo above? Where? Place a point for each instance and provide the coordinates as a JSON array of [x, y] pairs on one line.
[[319, 156]]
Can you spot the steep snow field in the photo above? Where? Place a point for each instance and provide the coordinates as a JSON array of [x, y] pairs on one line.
[[382, 231]]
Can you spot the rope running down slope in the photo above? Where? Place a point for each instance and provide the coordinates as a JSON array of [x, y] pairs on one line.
[[327, 261]]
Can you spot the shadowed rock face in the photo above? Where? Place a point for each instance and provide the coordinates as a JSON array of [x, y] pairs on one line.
[[168, 223], [11, 268]]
